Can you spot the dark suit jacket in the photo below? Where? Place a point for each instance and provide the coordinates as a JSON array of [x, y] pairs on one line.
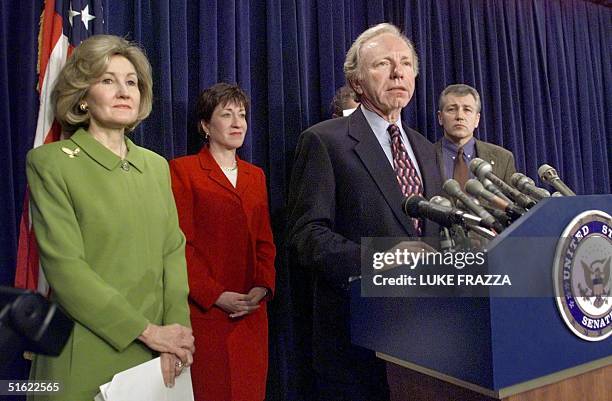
[[502, 160], [343, 188]]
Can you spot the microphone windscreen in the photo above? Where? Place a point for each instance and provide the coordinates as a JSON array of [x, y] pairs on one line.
[[473, 187], [514, 179], [451, 187], [411, 205], [474, 164], [546, 172], [440, 200]]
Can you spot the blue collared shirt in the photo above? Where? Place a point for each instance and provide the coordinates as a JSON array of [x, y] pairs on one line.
[[449, 152], [379, 126]]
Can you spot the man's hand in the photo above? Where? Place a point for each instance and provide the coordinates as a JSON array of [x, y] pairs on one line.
[[408, 246]]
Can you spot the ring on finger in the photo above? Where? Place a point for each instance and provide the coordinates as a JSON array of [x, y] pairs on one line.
[[178, 364]]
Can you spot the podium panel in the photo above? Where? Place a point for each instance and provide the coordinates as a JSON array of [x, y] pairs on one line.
[[496, 345]]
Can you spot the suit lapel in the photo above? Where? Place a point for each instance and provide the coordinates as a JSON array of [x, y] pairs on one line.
[[244, 177], [210, 166], [483, 153], [376, 163], [440, 159]]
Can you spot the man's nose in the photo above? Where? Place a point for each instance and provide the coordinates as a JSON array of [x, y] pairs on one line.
[[397, 71]]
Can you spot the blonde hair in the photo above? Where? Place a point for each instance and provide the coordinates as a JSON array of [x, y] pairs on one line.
[[353, 56], [86, 64]]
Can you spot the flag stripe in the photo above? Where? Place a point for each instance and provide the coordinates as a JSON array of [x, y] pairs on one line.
[[56, 61], [57, 37], [50, 32]]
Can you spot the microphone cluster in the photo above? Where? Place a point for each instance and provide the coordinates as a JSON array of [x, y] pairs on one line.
[[486, 207]]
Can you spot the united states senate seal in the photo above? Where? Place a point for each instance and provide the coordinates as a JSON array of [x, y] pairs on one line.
[[581, 275]]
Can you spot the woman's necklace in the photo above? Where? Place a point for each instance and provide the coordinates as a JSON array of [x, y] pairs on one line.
[[230, 169]]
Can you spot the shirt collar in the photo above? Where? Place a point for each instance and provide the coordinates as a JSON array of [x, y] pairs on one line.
[[103, 155], [469, 149], [378, 124]]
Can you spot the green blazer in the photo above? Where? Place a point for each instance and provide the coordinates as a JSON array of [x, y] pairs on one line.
[[113, 253]]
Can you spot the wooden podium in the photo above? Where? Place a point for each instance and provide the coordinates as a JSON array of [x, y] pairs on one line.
[[497, 347]]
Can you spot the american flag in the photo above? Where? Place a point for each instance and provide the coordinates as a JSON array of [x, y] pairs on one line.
[[64, 24]]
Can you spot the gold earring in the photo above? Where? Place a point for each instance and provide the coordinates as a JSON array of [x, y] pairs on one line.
[[83, 107]]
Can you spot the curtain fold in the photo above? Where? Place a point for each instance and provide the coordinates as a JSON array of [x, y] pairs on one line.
[[543, 69]]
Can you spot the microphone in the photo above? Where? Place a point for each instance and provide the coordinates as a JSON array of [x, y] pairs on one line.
[[496, 213], [500, 216], [482, 170], [549, 174], [453, 188], [489, 186], [454, 237], [416, 206], [474, 187], [457, 232], [527, 186], [440, 200]]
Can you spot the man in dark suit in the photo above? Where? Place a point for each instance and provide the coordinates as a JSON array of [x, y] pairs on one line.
[[459, 114], [349, 178]]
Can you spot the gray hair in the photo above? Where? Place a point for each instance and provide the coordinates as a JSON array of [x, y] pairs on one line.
[[459, 90], [353, 56]]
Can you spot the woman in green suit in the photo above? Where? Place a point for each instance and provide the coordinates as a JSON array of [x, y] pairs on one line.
[[107, 228]]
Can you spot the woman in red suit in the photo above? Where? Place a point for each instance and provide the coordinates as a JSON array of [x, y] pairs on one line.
[[223, 210]]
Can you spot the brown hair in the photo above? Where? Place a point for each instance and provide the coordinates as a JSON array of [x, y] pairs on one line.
[[219, 94], [340, 100]]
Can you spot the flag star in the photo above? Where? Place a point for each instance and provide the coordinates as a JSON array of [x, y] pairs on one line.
[[72, 14], [86, 17]]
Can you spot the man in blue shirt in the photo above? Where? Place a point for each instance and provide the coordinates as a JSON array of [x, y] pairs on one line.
[[459, 114]]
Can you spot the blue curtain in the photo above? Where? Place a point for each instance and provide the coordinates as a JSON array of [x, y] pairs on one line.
[[543, 69]]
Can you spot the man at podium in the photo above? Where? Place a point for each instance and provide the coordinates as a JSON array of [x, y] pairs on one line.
[[350, 176]]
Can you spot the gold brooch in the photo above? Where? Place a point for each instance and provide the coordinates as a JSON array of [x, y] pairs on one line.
[[71, 153]]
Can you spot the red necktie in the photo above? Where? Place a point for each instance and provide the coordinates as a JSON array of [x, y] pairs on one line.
[[407, 177]]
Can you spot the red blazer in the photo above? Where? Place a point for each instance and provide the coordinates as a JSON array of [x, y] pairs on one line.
[[229, 248]]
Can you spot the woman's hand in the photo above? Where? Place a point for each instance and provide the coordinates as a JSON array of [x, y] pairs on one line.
[[171, 368], [174, 339], [236, 304], [258, 293]]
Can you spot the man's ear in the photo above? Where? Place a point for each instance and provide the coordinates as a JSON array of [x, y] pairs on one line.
[[356, 85]]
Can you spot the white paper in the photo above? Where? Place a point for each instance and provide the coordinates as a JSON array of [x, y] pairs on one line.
[[145, 383]]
